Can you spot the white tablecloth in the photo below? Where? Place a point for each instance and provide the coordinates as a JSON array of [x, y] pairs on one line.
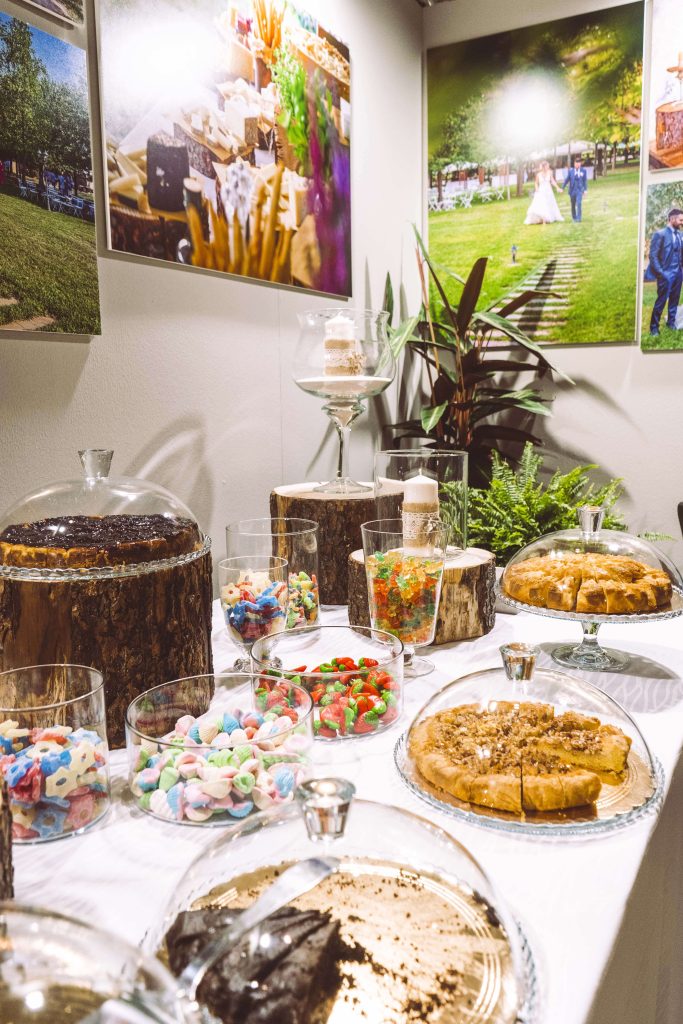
[[601, 915]]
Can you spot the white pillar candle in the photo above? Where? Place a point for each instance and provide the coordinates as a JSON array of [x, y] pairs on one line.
[[421, 490], [340, 328]]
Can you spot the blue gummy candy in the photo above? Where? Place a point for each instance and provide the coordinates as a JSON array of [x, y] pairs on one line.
[[193, 733], [57, 801], [15, 772], [284, 780], [51, 762], [49, 822], [6, 745], [230, 723], [241, 810]]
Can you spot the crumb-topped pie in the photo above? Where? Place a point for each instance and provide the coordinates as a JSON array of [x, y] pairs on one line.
[[518, 756]]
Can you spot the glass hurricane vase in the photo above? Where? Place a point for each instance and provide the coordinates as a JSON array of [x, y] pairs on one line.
[[343, 356]]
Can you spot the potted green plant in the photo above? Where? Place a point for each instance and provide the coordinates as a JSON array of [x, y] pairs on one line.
[[470, 355], [517, 507]]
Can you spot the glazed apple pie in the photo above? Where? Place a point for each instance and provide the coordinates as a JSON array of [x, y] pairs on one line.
[[589, 583], [518, 756]]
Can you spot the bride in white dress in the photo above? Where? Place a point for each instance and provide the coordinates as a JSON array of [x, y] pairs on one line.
[[544, 208]]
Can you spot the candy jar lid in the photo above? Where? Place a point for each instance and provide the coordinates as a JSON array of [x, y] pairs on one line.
[[55, 968], [96, 522], [408, 922], [589, 570], [529, 750]]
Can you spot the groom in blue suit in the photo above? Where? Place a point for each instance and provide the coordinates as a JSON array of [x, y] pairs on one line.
[[577, 180], [666, 268]]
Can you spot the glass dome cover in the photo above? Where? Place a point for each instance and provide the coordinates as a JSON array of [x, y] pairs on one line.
[[590, 539], [447, 947], [96, 494], [55, 968], [593, 576], [546, 753]]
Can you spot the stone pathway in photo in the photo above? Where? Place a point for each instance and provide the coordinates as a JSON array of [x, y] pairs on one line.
[[8, 302], [541, 317], [36, 323]]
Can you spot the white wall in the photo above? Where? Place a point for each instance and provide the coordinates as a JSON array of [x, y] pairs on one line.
[[189, 382], [626, 412]]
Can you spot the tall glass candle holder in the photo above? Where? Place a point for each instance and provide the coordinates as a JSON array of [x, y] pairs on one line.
[[343, 356], [409, 472], [404, 585]]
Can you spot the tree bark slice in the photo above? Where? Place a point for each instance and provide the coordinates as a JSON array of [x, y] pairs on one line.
[[6, 869], [339, 517], [138, 631], [468, 599]]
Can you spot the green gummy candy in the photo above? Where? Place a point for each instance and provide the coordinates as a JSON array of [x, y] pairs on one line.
[[143, 758], [145, 801], [242, 753], [244, 782], [168, 778], [221, 758]]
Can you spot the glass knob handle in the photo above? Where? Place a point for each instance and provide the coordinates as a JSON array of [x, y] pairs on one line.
[[591, 518], [325, 806], [519, 660], [96, 462]]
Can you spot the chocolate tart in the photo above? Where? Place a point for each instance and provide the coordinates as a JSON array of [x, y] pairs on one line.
[[79, 542]]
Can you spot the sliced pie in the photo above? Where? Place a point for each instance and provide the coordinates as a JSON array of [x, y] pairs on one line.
[[516, 756]]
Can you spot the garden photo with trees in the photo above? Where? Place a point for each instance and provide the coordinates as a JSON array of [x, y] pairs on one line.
[[527, 129], [48, 259]]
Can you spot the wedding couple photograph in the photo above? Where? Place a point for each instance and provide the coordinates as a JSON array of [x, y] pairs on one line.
[[662, 323], [534, 140]]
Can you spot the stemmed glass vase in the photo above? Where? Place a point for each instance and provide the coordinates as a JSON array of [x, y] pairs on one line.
[[343, 356]]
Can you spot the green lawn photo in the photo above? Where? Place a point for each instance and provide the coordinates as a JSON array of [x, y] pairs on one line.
[[602, 298], [48, 256], [48, 267], [667, 340]]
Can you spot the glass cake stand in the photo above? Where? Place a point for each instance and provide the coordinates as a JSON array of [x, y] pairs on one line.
[[589, 655], [622, 801], [591, 539], [432, 937]]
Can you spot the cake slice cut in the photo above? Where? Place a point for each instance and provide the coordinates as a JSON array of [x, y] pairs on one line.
[[582, 741], [288, 979], [550, 785], [591, 598]]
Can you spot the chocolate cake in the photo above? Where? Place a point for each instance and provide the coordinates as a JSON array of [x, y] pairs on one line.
[[92, 541], [290, 980]]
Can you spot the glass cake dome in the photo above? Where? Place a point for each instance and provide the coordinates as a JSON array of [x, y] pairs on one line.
[[396, 921], [529, 751], [593, 576], [55, 968], [54, 518]]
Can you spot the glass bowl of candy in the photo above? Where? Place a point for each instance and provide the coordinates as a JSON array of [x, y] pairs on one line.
[[212, 749], [58, 969], [354, 675], [53, 750]]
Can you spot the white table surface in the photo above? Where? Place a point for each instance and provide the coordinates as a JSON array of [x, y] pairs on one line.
[[600, 914]]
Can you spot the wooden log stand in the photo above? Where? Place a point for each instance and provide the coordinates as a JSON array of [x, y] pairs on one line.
[[339, 517], [6, 870], [467, 606], [138, 631]]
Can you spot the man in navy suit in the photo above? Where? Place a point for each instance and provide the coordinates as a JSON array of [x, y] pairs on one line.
[[666, 268], [577, 180]]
